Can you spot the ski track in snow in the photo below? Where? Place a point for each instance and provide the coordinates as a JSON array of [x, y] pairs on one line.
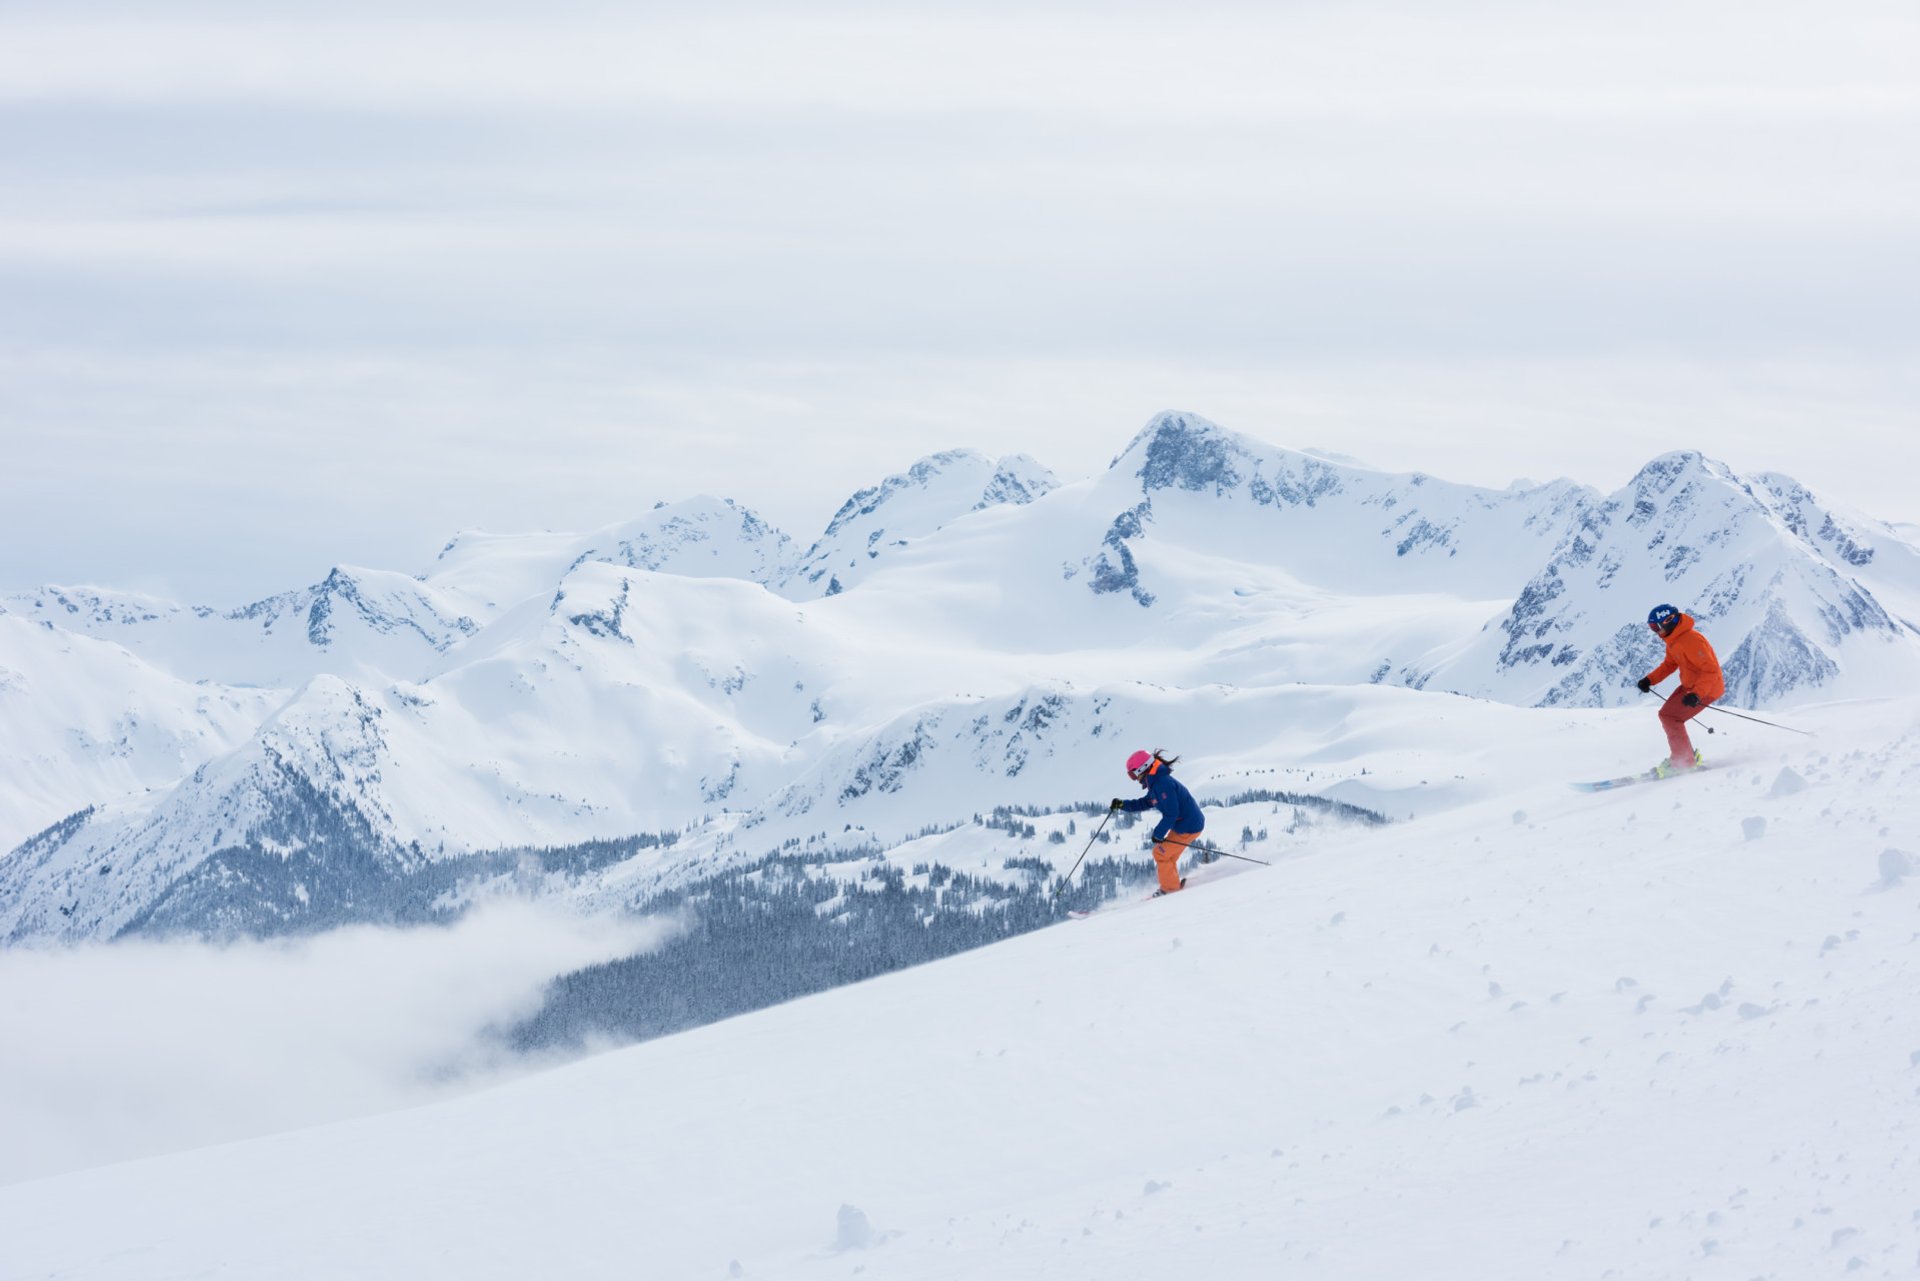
[[1540, 1035]]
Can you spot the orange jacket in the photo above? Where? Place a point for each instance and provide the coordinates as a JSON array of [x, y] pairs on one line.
[[1690, 655]]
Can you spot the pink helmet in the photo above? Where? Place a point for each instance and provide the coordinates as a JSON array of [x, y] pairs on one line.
[[1137, 765]]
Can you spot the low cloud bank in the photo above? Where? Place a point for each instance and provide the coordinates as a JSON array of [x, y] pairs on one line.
[[113, 1052]]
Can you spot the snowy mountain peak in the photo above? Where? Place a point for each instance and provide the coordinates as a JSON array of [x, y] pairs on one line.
[[1179, 452], [954, 464], [1676, 466], [90, 609], [908, 505], [700, 537], [379, 601], [352, 619], [1189, 483], [1017, 480], [1764, 568], [1186, 451], [1796, 507]]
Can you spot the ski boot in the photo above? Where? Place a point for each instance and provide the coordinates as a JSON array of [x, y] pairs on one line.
[[1667, 769], [1164, 893]]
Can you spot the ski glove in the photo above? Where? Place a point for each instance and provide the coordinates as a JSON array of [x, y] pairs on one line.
[[1115, 804], [1646, 686], [1691, 700]]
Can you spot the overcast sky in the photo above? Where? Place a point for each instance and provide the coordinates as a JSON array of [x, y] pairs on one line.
[[295, 285]]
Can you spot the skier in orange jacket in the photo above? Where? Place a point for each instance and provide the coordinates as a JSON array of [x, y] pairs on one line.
[[1700, 683]]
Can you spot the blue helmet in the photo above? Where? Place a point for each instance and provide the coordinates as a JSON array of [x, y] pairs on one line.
[[1662, 617]]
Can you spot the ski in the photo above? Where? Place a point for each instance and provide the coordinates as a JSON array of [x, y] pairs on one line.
[[1202, 875], [1112, 905], [1649, 776]]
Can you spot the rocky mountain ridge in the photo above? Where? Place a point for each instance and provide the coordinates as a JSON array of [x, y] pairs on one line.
[[964, 635]]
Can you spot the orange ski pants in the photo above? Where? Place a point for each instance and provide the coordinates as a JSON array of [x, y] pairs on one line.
[[1166, 858], [1674, 716]]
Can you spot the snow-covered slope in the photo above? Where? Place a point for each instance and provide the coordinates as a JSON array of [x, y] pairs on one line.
[[84, 722], [627, 702], [1659, 1033]]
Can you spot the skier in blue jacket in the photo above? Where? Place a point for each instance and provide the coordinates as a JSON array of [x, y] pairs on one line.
[[1181, 821]]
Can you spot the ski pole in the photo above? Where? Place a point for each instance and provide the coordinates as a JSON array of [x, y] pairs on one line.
[[1656, 693], [1083, 854], [1724, 711], [1757, 721], [1195, 845]]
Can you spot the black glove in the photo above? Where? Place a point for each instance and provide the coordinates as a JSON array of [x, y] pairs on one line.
[[1646, 686], [1691, 700], [1115, 804]]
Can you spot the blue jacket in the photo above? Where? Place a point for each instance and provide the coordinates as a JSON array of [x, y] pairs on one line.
[[1179, 812]]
